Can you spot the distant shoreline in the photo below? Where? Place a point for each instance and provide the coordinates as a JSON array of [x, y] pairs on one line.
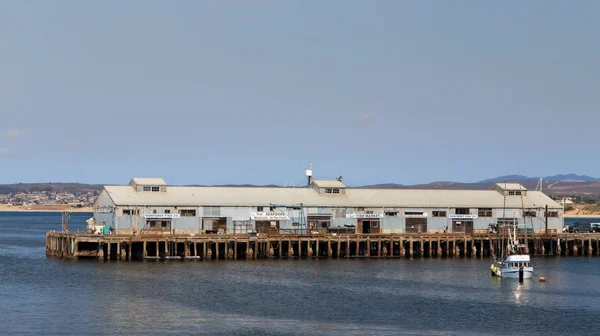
[[582, 216], [21, 209]]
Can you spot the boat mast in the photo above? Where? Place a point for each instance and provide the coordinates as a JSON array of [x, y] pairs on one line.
[[503, 221], [523, 211]]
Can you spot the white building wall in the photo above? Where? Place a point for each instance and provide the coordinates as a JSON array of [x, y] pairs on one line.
[[104, 210]]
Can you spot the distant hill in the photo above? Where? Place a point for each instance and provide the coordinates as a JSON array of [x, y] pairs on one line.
[[559, 177], [557, 185], [75, 188]]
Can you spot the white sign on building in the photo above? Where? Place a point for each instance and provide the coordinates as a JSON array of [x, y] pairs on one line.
[[269, 216], [157, 216], [362, 215], [462, 216]]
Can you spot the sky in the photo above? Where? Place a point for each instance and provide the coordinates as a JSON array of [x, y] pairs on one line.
[[229, 92]]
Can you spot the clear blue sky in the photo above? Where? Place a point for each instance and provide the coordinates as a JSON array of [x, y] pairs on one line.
[[216, 92]]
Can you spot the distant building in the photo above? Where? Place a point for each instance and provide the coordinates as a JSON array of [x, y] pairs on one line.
[[150, 205]]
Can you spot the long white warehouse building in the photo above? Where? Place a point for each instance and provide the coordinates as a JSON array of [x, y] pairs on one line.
[[149, 205]]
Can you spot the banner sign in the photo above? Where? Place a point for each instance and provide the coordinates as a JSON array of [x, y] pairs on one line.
[[104, 209], [361, 215], [462, 216], [153, 215], [268, 216]]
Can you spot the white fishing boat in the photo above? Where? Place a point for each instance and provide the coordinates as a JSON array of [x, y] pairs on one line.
[[514, 261], [517, 262]]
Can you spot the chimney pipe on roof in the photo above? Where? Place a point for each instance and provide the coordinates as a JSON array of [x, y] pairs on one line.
[[309, 173]]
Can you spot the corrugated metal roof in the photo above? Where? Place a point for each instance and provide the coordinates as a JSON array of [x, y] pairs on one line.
[[510, 186], [148, 181], [240, 196], [329, 184]]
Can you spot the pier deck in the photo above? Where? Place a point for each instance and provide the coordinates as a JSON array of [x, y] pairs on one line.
[[77, 245]]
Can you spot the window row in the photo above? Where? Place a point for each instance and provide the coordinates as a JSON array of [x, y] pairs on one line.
[[153, 189], [518, 265]]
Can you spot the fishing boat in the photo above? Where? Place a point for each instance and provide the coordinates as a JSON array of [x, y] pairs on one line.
[[514, 261], [516, 264]]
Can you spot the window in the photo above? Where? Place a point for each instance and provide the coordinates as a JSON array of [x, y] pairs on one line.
[[553, 214], [413, 213], [329, 191], [163, 224], [259, 209], [188, 212], [127, 212], [146, 189], [506, 221], [155, 189], [518, 193], [462, 211], [360, 209], [374, 223], [391, 213], [530, 213], [369, 212], [167, 211], [485, 212], [438, 213]]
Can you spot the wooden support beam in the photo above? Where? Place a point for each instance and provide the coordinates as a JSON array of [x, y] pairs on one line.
[[130, 250], [347, 254]]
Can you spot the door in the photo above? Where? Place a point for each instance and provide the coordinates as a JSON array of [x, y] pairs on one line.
[[415, 225], [462, 226], [366, 227], [469, 227], [207, 224]]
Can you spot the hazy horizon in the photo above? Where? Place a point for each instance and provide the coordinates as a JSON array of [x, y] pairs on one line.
[[233, 92]]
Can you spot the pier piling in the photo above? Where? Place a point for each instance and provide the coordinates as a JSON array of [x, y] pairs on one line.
[[75, 245]]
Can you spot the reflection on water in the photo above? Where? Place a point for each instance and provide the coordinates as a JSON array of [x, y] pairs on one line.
[[283, 297]]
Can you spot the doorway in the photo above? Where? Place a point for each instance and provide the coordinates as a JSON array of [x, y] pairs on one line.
[[369, 226], [416, 225], [462, 226]]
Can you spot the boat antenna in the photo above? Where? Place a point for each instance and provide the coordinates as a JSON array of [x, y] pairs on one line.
[[503, 220], [522, 209]]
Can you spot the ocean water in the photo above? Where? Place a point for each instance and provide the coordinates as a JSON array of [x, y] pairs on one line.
[[281, 297]]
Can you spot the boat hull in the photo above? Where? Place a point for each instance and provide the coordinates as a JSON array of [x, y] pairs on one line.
[[514, 274], [499, 270]]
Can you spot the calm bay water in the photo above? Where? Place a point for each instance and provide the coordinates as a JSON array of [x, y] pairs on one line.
[[281, 297]]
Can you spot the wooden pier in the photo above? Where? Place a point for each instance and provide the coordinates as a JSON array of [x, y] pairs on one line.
[[77, 245]]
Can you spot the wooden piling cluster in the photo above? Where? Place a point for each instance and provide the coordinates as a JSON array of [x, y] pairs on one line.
[[77, 245]]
